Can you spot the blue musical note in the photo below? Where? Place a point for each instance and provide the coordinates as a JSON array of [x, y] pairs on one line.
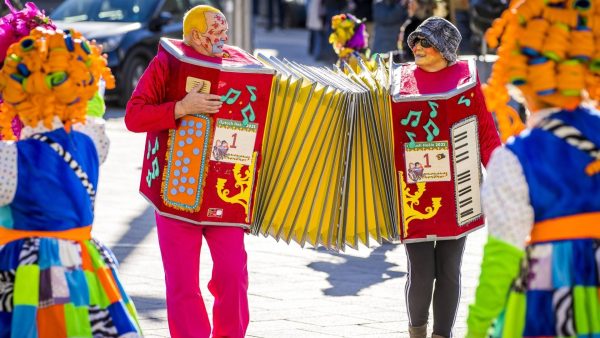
[[232, 92], [411, 114], [252, 89], [247, 118], [433, 106], [435, 130], [411, 137]]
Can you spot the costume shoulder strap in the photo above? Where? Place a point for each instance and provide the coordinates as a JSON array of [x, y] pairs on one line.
[[67, 157], [575, 138]]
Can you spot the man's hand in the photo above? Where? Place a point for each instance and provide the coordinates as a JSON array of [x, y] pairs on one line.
[[196, 102]]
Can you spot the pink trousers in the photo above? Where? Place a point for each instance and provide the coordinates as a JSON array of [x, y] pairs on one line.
[[180, 244]]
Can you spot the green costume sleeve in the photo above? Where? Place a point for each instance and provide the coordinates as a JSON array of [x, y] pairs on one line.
[[96, 106], [500, 266]]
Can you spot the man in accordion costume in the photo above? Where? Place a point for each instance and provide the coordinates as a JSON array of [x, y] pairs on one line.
[[55, 279], [541, 264], [202, 104]]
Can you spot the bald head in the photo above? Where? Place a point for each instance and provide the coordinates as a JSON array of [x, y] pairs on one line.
[[205, 30]]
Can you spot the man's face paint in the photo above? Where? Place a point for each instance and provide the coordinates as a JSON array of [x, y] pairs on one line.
[[216, 33]]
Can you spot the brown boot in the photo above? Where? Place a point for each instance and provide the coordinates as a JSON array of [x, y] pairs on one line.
[[417, 331], [436, 336]]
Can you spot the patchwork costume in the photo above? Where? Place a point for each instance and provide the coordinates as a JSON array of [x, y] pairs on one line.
[[55, 279], [537, 186], [541, 264]]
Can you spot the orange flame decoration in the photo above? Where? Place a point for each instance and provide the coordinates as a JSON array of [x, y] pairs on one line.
[[50, 73], [549, 49]]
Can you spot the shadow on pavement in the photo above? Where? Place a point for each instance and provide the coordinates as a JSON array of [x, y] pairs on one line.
[[357, 273], [138, 230], [147, 305], [113, 112]]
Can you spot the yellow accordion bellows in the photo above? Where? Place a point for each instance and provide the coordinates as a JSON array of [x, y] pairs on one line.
[[327, 176]]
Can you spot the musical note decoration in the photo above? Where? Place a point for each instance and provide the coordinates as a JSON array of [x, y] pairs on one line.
[[252, 89], [433, 105], [411, 200], [243, 183], [411, 137], [152, 175], [432, 130], [248, 118], [464, 100], [247, 112], [231, 96], [412, 114]]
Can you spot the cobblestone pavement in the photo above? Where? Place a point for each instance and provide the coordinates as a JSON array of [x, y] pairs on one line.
[[294, 292]]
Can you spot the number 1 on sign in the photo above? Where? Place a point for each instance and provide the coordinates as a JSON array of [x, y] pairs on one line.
[[234, 137], [427, 165]]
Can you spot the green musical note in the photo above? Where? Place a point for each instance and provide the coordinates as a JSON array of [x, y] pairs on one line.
[[435, 130], [232, 92], [433, 106], [465, 101], [247, 118], [411, 137], [411, 114], [252, 89]]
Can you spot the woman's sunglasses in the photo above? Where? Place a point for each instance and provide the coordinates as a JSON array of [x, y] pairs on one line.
[[424, 42]]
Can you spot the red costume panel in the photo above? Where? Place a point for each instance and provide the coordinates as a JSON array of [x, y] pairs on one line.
[[442, 135], [202, 169]]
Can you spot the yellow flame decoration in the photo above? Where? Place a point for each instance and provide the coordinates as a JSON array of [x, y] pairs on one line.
[[411, 200], [244, 183]]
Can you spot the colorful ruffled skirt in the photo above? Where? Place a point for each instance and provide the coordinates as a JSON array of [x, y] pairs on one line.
[[557, 293], [60, 288]]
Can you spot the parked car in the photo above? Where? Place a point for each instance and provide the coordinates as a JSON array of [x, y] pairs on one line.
[[129, 31], [295, 13], [47, 5]]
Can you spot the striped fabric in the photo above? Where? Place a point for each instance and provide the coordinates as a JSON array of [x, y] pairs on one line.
[[59, 288], [557, 293], [571, 135]]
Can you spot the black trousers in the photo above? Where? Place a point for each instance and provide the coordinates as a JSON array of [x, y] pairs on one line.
[[429, 262]]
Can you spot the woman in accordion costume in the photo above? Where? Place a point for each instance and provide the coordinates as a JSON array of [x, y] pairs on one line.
[[350, 41], [55, 280], [540, 270]]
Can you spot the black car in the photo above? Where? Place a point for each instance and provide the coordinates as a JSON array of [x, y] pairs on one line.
[[129, 31]]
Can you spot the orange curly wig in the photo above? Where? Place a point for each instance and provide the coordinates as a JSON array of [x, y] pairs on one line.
[[47, 74]]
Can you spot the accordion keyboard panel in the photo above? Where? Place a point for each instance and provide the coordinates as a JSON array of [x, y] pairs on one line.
[[467, 170]]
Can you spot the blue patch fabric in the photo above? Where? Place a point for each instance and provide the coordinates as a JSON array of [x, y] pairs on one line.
[[540, 315]]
